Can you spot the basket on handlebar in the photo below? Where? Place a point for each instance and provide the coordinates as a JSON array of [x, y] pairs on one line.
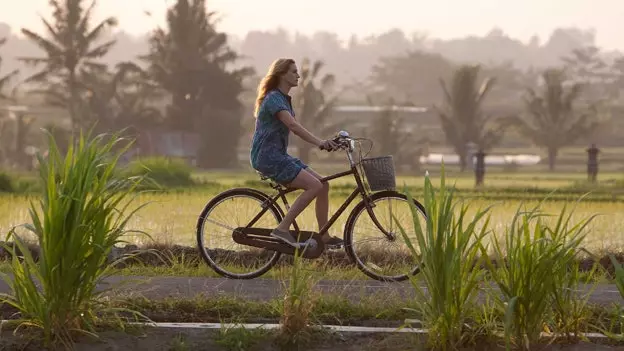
[[379, 172]]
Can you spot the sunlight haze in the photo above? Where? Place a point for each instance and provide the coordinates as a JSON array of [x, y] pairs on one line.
[[442, 19]]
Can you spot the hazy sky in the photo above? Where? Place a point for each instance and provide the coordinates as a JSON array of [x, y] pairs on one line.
[[439, 18]]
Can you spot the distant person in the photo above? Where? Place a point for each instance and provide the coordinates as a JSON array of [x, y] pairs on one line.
[[592, 163], [275, 119]]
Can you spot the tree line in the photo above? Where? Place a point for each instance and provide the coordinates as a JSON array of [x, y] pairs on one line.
[[192, 67], [187, 65]]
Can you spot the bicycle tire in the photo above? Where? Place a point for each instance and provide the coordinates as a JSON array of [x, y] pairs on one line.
[[253, 193], [348, 234]]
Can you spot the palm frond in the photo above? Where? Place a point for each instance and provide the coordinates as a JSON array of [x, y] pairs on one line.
[[51, 48], [100, 50]]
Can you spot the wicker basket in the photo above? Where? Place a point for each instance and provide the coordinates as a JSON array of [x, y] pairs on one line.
[[379, 172]]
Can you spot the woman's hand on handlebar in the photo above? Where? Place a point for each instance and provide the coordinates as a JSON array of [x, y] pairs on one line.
[[329, 145]]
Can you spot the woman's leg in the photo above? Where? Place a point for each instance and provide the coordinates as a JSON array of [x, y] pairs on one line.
[[322, 201], [311, 186], [322, 211]]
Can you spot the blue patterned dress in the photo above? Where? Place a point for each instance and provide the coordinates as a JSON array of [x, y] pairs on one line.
[[270, 141]]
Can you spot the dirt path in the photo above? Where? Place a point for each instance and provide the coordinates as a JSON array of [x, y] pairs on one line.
[[266, 289]]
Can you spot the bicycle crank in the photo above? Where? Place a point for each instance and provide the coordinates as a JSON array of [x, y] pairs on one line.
[[260, 237]]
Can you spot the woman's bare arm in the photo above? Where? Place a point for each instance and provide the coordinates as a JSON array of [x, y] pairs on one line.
[[299, 130]]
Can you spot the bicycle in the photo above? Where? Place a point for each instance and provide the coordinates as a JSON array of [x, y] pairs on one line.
[[377, 184]]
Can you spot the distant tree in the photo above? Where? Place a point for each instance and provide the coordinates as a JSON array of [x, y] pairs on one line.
[[14, 132], [189, 60], [462, 116], [552, 120], [409, 78], [314, 101], [4, 80], [122, 98], [587, 67], [70, 46], [386, 131], [617, 67]]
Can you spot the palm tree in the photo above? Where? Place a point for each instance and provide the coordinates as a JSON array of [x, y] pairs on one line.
[[189, 59], [314, 103], [553, 121], [70, 46], [7, 78], [121, 98], [462, 118]]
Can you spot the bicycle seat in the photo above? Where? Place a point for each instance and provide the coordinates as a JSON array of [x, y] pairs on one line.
[[271, 182]]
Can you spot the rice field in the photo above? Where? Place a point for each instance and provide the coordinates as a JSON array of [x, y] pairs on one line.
[[171, 217]]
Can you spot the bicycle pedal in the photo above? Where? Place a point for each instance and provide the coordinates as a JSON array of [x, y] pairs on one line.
[[260, 237]]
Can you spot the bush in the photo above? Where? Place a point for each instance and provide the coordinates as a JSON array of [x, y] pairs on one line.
[[162, 172], [6, 184]]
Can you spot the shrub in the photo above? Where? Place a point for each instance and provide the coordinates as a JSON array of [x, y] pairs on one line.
[[6, 183], [77, 222], [162, 172]]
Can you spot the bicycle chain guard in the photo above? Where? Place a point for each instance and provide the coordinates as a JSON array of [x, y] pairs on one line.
[[260, 237]]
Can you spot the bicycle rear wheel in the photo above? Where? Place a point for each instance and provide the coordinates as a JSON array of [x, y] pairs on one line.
[[229, 210], [373, 252]]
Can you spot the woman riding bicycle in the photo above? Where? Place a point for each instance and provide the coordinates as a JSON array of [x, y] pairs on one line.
[[275, 119]]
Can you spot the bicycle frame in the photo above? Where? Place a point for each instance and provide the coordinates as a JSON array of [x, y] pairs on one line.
[[360, 189]]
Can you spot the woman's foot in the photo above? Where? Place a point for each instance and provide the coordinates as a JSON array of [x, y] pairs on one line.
[[332, 241], [284, 236]]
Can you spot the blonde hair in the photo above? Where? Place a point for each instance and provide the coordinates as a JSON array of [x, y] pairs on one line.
[[270, 81]]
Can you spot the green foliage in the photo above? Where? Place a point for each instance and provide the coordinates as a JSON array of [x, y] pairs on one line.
[[239, 338], [161, 172], [532, 273], [298, 303], [6, 183], [79, 219], [448, 250], [619, 274]]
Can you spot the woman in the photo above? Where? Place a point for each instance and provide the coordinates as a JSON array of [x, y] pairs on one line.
[[275, 119]]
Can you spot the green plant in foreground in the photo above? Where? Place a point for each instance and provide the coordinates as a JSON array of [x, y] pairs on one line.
[[79, 219], [532, 273], [619, 274], [449, 262], [618, 312], [299, 300]]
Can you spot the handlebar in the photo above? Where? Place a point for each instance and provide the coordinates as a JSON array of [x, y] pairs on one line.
[[344, 142]]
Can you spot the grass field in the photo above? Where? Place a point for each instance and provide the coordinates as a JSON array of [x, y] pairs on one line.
[[171, 217], [541, 266]]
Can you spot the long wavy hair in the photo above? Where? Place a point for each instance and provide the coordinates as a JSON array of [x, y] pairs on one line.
[[277, 69]]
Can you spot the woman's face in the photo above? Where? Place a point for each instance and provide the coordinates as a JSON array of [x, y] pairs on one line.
[[292, 76]]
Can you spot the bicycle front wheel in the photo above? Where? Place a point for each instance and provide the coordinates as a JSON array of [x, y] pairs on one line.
[[229, 210], [375, 254]]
